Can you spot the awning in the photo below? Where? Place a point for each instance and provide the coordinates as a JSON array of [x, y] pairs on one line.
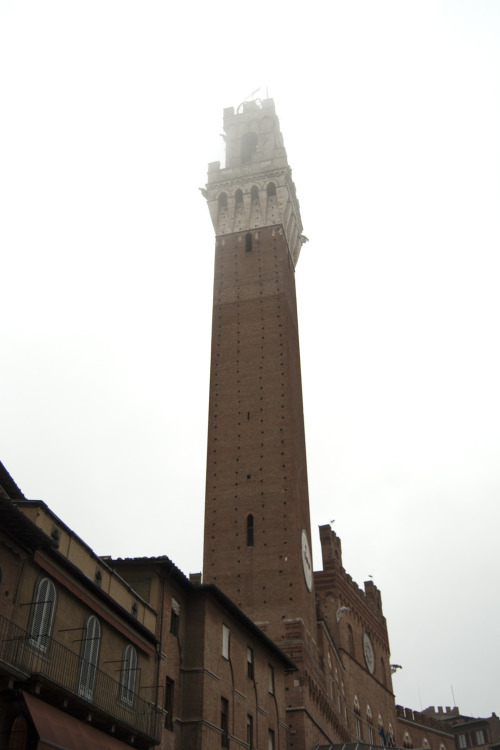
[[63, 732]]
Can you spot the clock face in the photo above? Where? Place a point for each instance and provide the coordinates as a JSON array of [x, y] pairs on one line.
[[307, 561], [369, 653]]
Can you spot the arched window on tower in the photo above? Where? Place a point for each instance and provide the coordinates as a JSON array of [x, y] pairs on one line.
[[42, 614], [248, 146], [250, 530], [271, 189], [238, 197], [254, 193], [222, 200]]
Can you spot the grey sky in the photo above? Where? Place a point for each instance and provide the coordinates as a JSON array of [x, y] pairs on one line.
[[390, 113]]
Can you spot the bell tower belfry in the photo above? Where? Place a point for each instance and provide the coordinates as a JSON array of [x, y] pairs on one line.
[[255, 189], [257, 545]]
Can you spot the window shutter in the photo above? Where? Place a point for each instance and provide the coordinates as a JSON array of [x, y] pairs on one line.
[[129, 670], [90, 657], [43, 613]]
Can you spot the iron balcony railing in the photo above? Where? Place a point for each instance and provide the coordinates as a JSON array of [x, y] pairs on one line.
[[62, 667]]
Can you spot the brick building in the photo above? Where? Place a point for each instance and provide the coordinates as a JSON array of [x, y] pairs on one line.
[[220, 676], [469, 732], [262, 651], [77, 644], [108, 653], [355, 620]]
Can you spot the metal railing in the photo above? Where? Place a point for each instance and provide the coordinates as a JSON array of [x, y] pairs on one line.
[[62, 667]]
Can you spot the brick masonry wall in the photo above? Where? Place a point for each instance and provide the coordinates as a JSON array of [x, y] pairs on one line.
[[256, 461]]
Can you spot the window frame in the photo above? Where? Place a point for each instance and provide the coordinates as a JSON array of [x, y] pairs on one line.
[[358, 726], [42, 614], [224, 721], [175, 617], [250, 731], [226, 642], [270, 678], [169, 704], [128, 674], [89, 658], [250, 663]]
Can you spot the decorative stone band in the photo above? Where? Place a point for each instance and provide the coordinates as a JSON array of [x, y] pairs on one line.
[[265, 199]]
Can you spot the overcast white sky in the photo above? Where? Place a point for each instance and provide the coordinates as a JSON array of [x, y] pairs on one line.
[[390, 111]]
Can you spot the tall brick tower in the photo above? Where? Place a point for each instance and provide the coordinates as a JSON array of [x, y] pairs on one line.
[[257, 526]]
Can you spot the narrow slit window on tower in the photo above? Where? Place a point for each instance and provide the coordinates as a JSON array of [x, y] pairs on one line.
[[248, 242], [250, 530], [248, 146]]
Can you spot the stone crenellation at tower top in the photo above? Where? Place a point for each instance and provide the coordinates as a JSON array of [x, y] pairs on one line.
[[255, 188]]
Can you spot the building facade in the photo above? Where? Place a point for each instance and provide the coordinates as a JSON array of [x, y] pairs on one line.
[[77, 644], [222, 679], [471, 733]]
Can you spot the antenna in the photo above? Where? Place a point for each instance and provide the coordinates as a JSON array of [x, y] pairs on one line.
[[252, 98], [453, 695]]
